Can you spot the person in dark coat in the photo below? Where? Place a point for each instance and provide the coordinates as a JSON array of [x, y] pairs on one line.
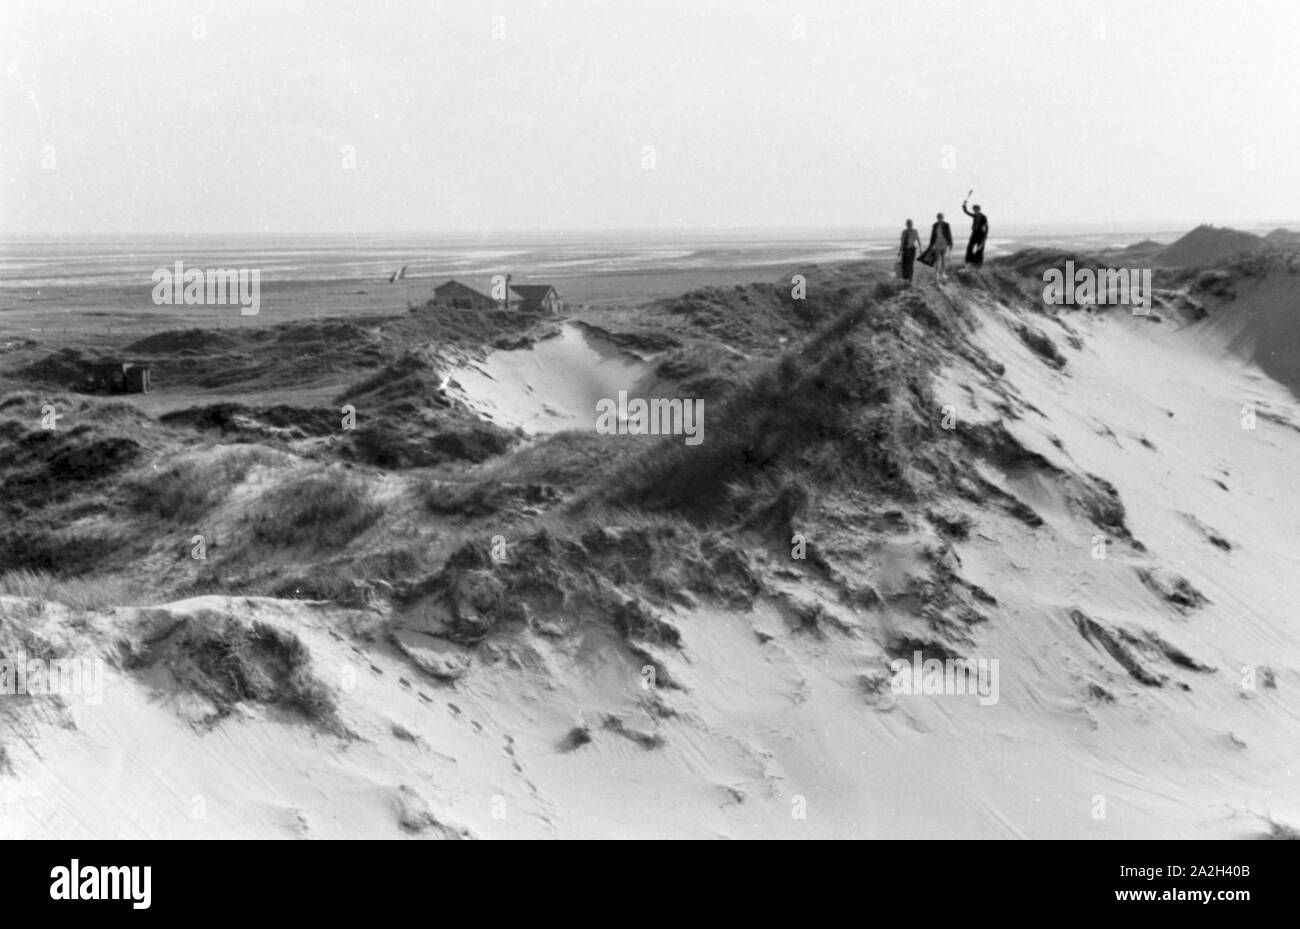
[[979, 232], [940, 245], [907, 249]]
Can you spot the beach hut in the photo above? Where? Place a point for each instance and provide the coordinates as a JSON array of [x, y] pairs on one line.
[[537, 298], [137, 378], [458, 295], [109, 376], [118, 377]]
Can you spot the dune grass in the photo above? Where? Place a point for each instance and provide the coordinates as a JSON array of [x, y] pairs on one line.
[[187, 489], [325, 511], [1283, 831], [468, 499], [564, 460], [87, 592], [840, 408]]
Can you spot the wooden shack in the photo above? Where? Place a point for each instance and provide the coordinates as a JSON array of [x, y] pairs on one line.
[[537, 298], [460, 296], [137, 378], [118, 377]]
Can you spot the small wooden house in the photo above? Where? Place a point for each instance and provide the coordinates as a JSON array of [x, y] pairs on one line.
[[536, 298], [118, 377], [108, 376], [137, 379], [460, 296]]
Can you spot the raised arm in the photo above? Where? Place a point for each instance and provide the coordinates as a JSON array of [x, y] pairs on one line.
[[966, 211]]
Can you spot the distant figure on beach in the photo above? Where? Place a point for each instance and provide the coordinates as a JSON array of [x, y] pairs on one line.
[[907, 249], [979, 231], [940, 245]]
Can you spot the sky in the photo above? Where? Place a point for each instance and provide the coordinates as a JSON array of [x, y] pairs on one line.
[[279, 116]]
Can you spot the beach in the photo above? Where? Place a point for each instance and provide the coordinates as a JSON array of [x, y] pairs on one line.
[[534, 620]]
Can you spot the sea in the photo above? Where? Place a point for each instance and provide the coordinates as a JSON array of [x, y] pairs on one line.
[[111, 260]]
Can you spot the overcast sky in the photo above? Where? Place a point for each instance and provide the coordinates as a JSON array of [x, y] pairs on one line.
[[489, 115]]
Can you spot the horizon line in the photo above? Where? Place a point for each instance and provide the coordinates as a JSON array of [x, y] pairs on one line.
[[1024, 227]]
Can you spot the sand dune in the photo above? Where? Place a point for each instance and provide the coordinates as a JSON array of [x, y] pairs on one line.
[[1254, 313], [550, 385], [650, 658], [1208, 244]]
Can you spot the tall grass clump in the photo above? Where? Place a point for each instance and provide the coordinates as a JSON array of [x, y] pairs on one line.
[[326, 510]]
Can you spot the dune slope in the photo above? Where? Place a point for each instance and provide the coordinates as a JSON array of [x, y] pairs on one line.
[[698, 642]]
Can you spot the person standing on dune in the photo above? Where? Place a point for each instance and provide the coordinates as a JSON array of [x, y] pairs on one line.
[[907, 249], [979, 231], [940, 245]]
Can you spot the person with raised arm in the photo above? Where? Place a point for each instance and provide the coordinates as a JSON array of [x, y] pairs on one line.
[[979, 232]]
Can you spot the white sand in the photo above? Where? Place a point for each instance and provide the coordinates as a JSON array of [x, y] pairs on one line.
[[762, 725], [551, 386]]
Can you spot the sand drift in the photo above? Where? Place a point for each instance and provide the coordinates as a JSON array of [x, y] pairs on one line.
[[552, 385]]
